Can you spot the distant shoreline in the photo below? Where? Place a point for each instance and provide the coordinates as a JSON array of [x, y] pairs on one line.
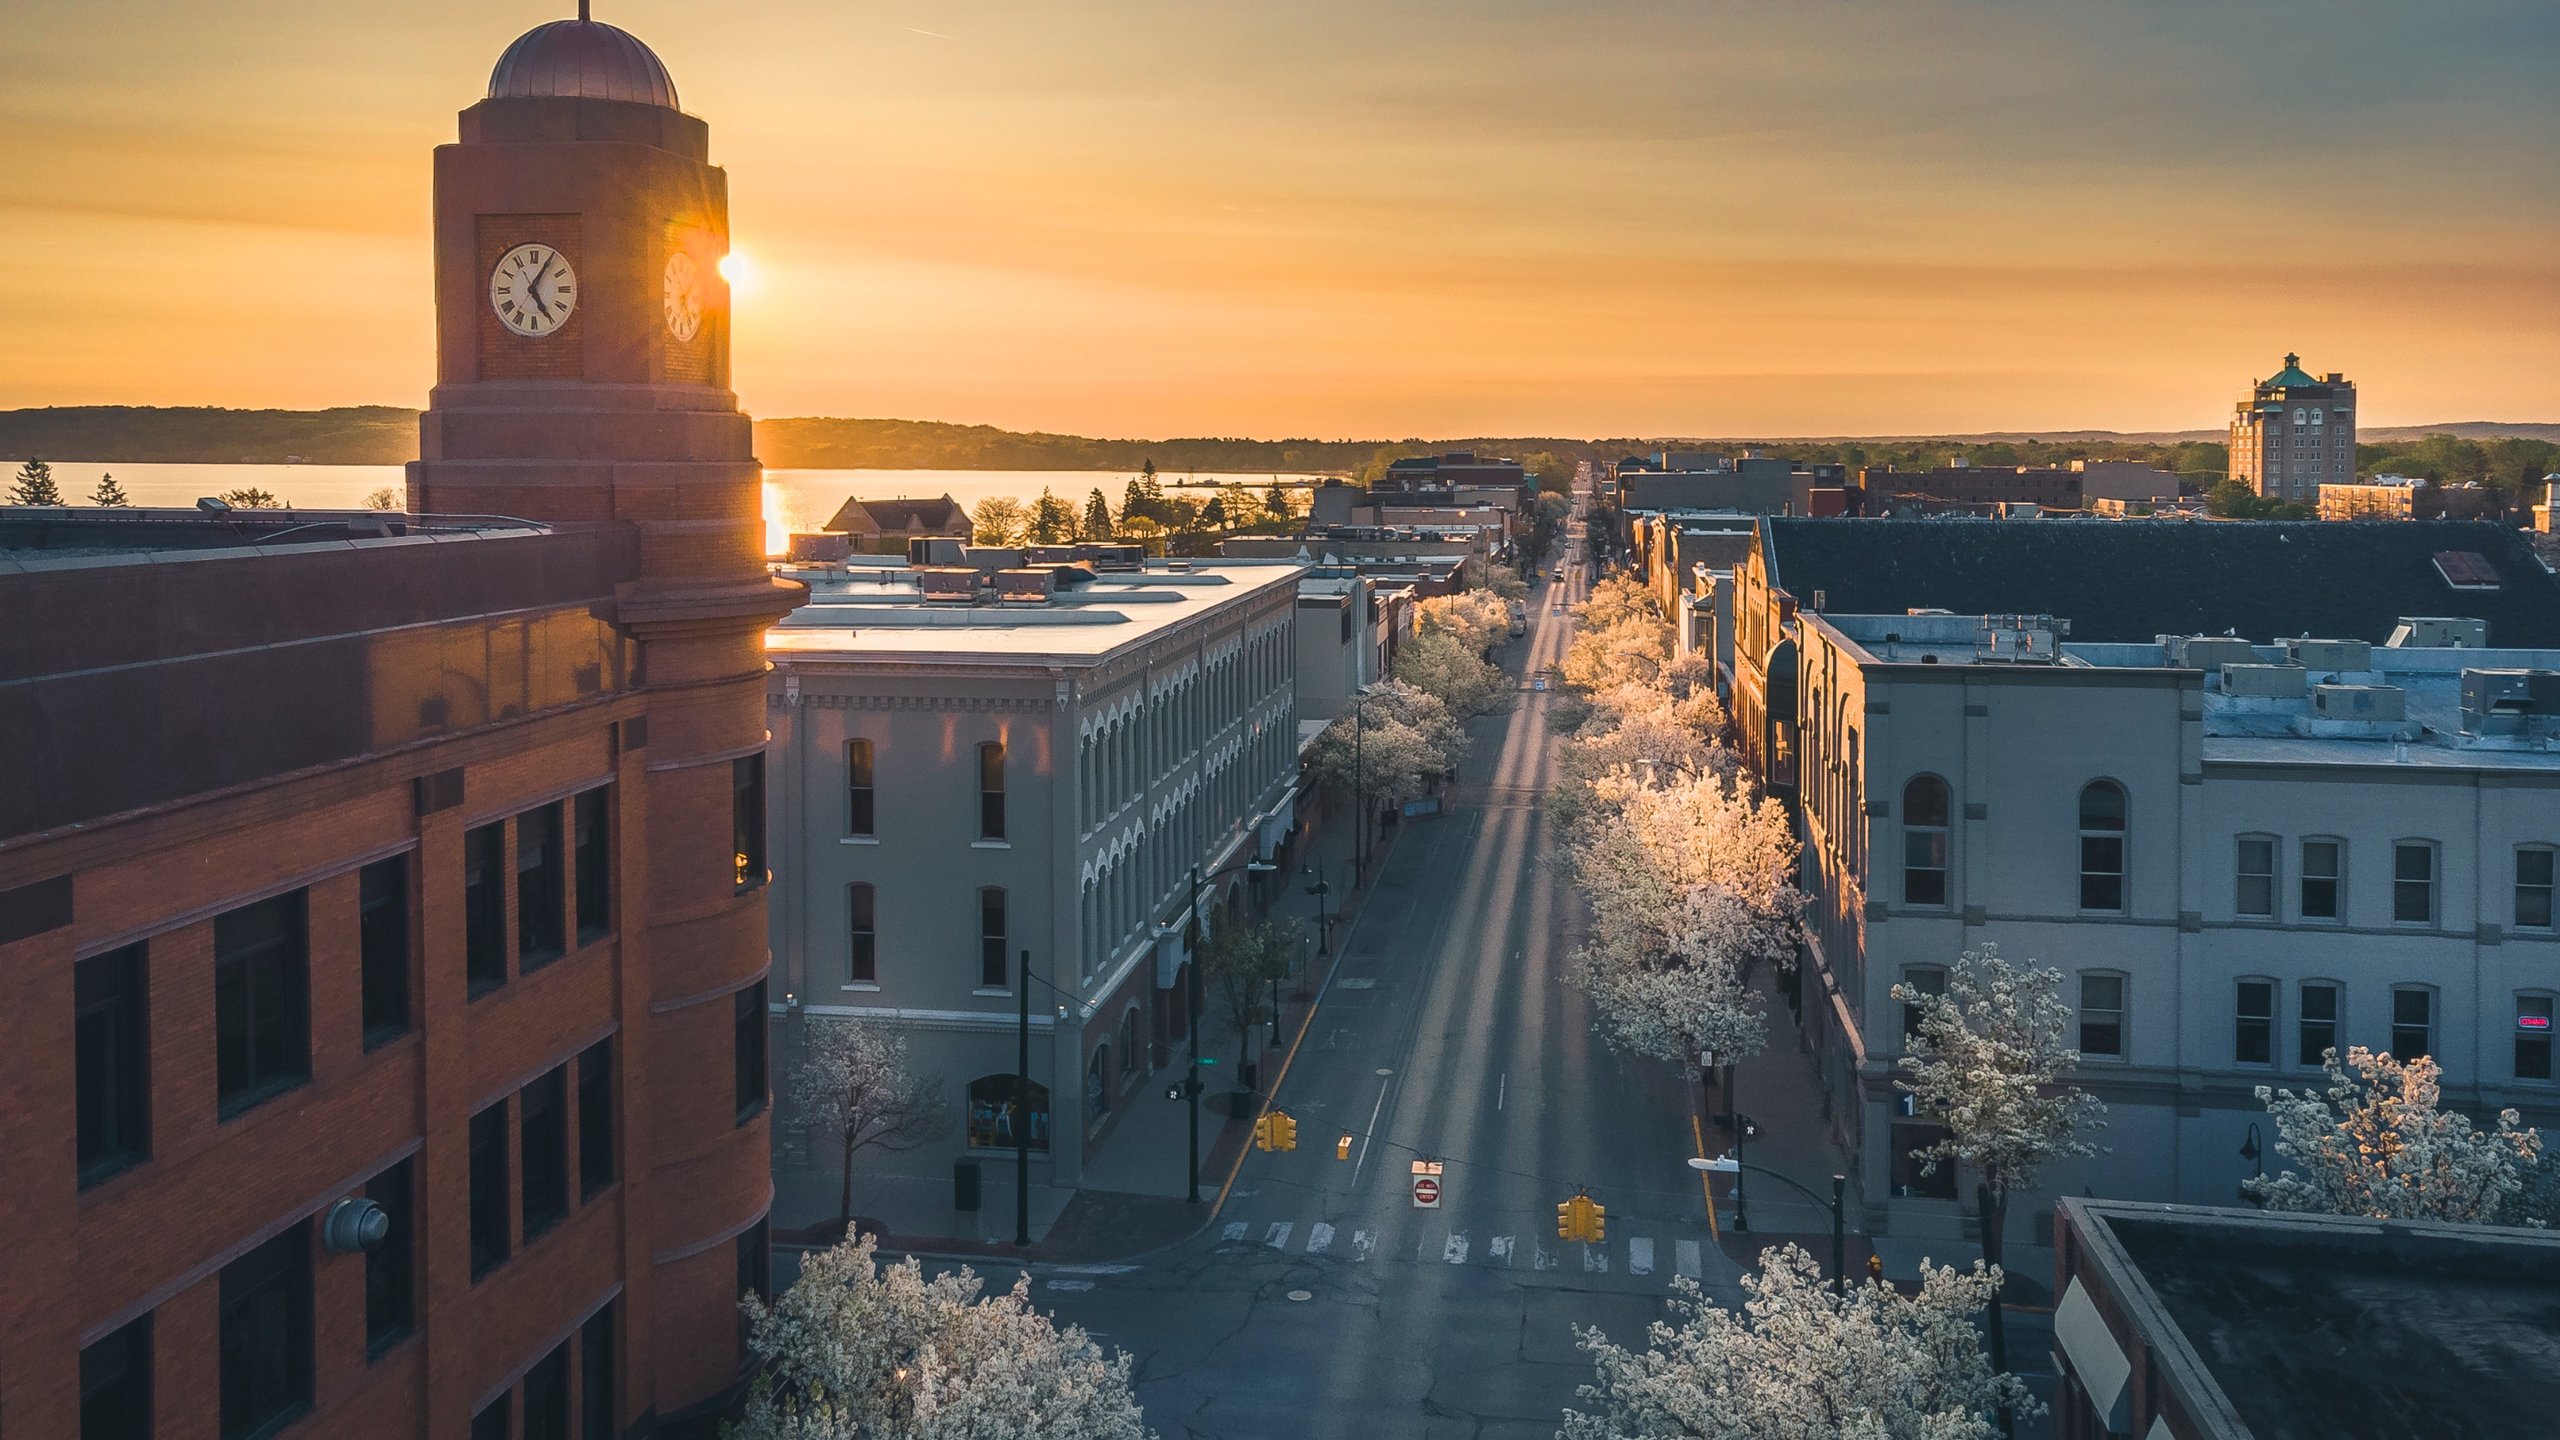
[[387, 435]]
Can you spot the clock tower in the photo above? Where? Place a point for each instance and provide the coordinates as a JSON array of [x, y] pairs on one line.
[[582, 378]]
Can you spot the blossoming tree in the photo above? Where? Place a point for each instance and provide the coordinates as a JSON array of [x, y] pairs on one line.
[[860, 1351], [1988, 1062], [1802, 1363], [2378, 1142], [854, 1087]]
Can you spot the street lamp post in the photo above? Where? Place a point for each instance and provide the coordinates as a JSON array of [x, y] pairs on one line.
[[1022, 1101], [1324, 922], [1732, 1165], [1359, 790], [1191, 996]]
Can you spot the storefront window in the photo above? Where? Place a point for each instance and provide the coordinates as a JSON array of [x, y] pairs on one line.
[[995, 1109]]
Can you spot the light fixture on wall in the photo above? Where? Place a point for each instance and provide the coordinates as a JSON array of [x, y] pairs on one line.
[[354, 1225]]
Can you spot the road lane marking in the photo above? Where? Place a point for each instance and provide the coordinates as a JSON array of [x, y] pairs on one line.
[[1545, 1259], [1233, 1231], [1595, 1259], [1455, 1252], [1362, 1242], [1499, 1248], [1277, 1237], [1363, 982], [1362, 1163], [1319, 1238], [1639, 1256], [1502, 1089], [1070, 1284], [1689, 1260]]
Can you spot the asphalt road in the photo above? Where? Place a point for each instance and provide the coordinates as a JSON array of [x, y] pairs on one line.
[[1323, 1302]]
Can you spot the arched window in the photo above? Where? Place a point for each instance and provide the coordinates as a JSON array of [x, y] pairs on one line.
[[1924, 841], [2102, 860], [998, 1104]]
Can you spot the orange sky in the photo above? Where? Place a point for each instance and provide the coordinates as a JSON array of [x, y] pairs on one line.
[[1390, 217]]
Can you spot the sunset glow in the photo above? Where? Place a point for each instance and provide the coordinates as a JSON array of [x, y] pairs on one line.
[[1328, 218]]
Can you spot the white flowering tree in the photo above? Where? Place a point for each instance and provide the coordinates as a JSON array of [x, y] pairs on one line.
[[2379, 1142], [1689, 892], [1398, 742], [1988, 1063], [1638, 733], [1479, 619], [1801, 1363], [860, 1351], [854, 1086], [1449, 666]]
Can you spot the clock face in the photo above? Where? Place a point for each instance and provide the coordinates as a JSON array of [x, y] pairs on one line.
[[533, 289], [683, 296]]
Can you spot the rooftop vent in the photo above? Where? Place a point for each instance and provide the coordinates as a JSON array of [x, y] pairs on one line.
[[2210, 653]]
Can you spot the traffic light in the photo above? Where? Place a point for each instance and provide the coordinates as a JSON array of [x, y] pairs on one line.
[[1275, 1131], [1581, 1219], [1342, 1147]]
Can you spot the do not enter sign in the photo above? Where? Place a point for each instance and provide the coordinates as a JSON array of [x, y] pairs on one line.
[[1426, 1184]]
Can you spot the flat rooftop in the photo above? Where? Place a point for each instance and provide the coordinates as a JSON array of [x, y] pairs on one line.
[[879, 612], [2318, 1326], [38, 537], [2430, 731]]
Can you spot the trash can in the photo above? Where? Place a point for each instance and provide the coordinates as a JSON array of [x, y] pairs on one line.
[[964, 1185]]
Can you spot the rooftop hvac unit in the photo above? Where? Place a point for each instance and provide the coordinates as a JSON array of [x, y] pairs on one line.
[[2359, 702], [2265, 682], [2331, 654], [2439, 632], [2210, 652], [2509, 702]]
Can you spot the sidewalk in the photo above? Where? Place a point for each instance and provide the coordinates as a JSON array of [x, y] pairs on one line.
[[1134, 1195]]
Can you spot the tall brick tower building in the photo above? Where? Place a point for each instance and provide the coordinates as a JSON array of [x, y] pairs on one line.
[[2295, 433], [383, 1008]]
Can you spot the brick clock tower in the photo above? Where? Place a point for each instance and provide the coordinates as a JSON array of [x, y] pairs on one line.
[[582, 378]]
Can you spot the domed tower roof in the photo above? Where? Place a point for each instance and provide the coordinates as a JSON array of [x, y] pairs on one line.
[[581, 58]]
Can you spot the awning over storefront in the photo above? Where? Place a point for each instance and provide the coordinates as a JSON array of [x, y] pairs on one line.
[[2096, 1359]]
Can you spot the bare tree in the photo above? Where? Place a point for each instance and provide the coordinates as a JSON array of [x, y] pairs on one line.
[[854, 1086], [1988, 1063]]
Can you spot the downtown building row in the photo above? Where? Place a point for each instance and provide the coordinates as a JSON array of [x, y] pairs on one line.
[[1006, 772], [2098, 745], [382, 927]]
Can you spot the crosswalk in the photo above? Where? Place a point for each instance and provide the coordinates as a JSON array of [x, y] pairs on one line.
[[1637, 1257]]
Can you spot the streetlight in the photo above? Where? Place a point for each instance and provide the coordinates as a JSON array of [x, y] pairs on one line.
[[1324, 923], [1359, 787], [1730, 1165], [1191, 995], [1022, 1102], [2252, 1152]]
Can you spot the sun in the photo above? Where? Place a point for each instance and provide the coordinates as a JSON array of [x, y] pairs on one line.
[[739, 272]]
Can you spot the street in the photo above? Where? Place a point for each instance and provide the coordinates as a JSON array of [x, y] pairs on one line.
[[1323, 1302]]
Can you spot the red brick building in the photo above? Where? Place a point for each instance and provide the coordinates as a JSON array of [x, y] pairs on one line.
[[382, 944]]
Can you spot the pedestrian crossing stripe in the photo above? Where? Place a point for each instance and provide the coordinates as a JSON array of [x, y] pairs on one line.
[[1277, 1237], [1643, 1255], [1688, 1259], [1319, 1238], [1455, 1252]]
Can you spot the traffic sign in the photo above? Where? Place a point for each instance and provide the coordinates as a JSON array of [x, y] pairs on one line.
[[1426, 1184]]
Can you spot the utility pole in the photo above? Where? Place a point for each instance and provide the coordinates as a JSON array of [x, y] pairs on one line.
[[1191, 1000]]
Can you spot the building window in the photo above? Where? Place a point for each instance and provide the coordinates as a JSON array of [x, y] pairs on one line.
[[595, 1118], [543, 1119], [2102, 812], [594, 837], [746, 819], [484, 908], [546, 1396], [1926, 980], [750, 1024], [111, 1061], [862, 946], [755, 1270], [991, 791], [2413, 1028], [992, 970], [2102, 1015], [489, 1189], [2533, 888], [492, 1423], [541, 920], [115, 1385], [390, 1273], [2253, 1040], [2413, 883], [2255, 896], [996, 1119], [265, 1341], [2321, 875], [382, 943], [1924, 841], [2533, 1037], [262, 1014], [857, 788], [2316, 1024], [595, 1376]]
